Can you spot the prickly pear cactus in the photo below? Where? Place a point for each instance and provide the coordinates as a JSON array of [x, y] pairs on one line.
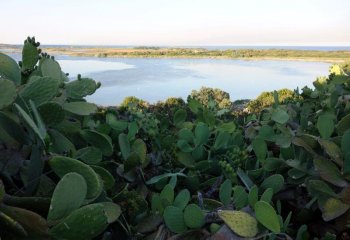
[[40, 90], [174, 219], [84, 223], [240, 222], [52, 113], [8, 93], [30, 54], [68, 196], [81, 88], [63, 165], [193, 216], [50, 68], [9, 69]]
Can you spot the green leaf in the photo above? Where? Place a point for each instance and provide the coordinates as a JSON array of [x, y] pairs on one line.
[[8, 92], [139, 147], [329, 171], [80, 108], [124, 145], [51, 68], [202, 133], [332, 208], [260, 148], [276, 182], [174, 219], [193, 216], [99, 140], [225, 192], [156, 179], [168, 194], [240, 197], [325, 125], [9, 69], [240, 222], [267, 216], [179, 117], [68, 196], [182, 199], [280, 116]]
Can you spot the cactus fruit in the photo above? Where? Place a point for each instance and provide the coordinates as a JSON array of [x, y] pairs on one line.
[[9, 69], [193, 216], [240, 222], [99, 140], [40, 90], [81, 88], [63, 165], [174, 219], [68, 196], [84, 223], [8, 92], [80, 108]]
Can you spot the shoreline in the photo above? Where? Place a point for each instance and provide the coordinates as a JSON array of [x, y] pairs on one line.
[[178, 53]]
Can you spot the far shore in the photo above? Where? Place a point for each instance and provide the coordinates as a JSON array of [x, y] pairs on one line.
[[196, 53]]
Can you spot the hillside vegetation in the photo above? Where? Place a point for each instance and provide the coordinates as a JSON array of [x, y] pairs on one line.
[[177, 52], [175, 170]]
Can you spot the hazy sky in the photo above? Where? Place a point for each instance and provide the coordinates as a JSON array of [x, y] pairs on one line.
[[177, 22]]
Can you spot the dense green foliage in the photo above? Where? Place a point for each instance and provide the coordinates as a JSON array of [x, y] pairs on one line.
[[69, 170]]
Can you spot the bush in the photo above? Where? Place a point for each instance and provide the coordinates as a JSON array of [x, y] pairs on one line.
[[212, 98], [266, 99]]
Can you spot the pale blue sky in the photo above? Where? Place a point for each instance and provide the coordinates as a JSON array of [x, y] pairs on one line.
[[177, 22]]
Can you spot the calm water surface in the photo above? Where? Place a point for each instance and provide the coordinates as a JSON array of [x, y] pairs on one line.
[[155, 79]]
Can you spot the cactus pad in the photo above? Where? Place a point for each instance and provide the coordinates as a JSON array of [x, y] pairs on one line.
[[51, 68], [8, 92], [174, 219], [84, 223], [80, 108], [240, 222], [81, 88], [9, 69], [99, 140], [40, 90], [193, 216], [68, 196], [63, 165]]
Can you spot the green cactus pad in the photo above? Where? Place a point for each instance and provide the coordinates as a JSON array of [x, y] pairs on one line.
[[50, 68], [106, 176], [52, 113], [60, 144], [240, 222], [68, 196], [276, 182], [99, 140], [89, 155], [84, 223], [139, 147], [267, 216], [112, 211], [9, 69], [8, 93], [80, 108], [30, 56], [33, 223], [63, 165], [193, 216], [182, 199], [40, 90], [80, 88], [12, 225], [174, 219]]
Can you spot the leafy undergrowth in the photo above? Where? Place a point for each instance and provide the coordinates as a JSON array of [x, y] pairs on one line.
[[71, 170]]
